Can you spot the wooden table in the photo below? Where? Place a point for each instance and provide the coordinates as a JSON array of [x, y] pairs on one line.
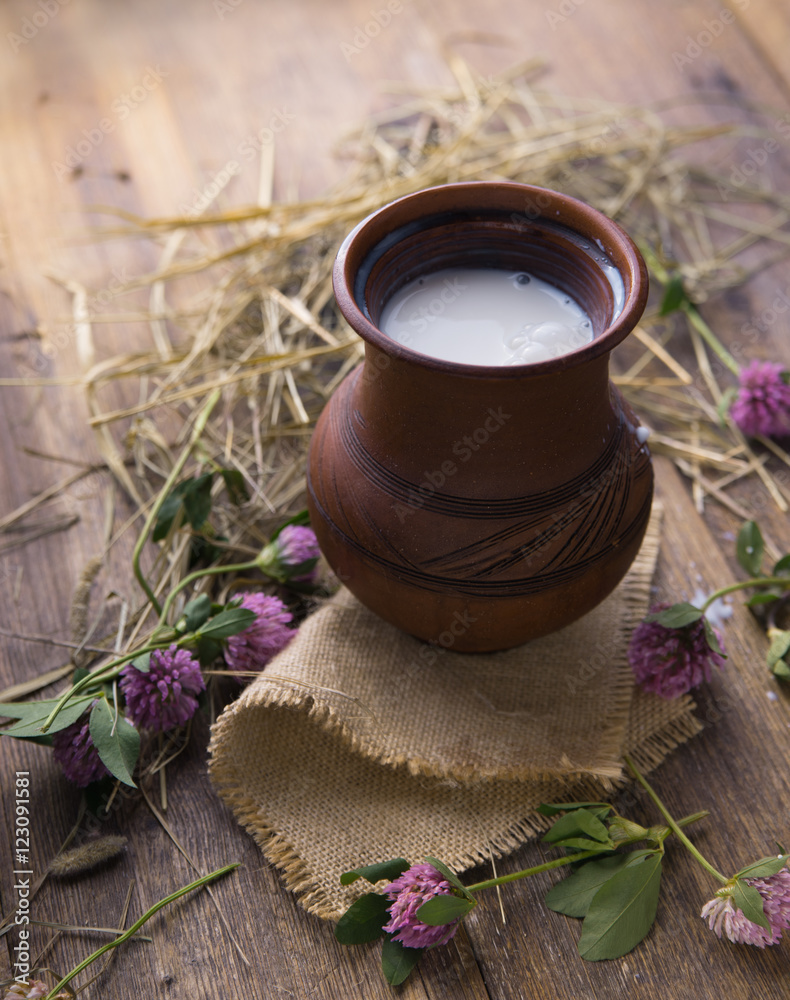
[[178, 86]]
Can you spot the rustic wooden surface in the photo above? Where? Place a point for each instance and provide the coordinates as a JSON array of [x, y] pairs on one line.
[[219, 79]]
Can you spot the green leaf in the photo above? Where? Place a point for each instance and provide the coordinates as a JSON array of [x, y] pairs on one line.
[[235, 485], [363, 920], [764, 597], [208, 650], [191, 495], [450, 875], [33, 715], [584, 844], [713, 639], [622, 911], [674, 296], [575, 893], [29, 709], [750, 903], [780, 644], [231, 621], [781, 670], [622, 830], [763, 868], [389, 870], [116, 740], [170, 508], [782, 568], [444, 909], [580, 821], [749, 548], [678, 616], [196, 612], [197, 500], [553, 808], [397, 960], [142, 663], [79, 674]]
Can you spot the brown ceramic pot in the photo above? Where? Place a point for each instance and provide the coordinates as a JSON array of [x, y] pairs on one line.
[[478, 507]]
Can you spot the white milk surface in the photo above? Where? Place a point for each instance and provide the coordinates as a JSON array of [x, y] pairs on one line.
[[484, 316]]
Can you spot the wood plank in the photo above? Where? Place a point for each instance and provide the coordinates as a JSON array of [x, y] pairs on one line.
[[223, 79], [767, 26]]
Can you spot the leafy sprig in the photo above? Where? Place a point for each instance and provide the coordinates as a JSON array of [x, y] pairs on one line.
[[613, 887], [769, 587], [116, 740], [202, 627]]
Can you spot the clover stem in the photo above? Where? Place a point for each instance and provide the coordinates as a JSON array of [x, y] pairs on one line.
[[199, 427], [198, 573], [693, 818], [693, 314], [671, 823], [568, 859], [710, 338], [138, 924], [104, 673], [756, 581], [547, 866]]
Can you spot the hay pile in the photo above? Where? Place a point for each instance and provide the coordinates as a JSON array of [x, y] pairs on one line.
[[263, 327]]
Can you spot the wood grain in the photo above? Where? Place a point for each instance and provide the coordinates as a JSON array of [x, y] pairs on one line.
[[222, 79]]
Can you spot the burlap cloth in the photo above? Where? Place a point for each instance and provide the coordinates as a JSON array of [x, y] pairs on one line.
[[353, 747]]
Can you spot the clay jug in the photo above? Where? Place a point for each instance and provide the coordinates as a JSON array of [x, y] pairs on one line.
[[479, 507]]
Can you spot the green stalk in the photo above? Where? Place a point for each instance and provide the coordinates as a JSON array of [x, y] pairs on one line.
[[138, 924], [196, 575], [710, 338], [674, 827], [693, 818], [547, 866], [105, 673], [110, 671], [756, 581], [693, 314], [200, 425], [567, 860]]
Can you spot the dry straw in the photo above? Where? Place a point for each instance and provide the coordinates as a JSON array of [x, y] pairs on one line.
[[263, 327]]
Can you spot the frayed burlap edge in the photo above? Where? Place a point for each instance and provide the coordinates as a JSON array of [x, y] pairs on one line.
[[300, 879], [654, 729]]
